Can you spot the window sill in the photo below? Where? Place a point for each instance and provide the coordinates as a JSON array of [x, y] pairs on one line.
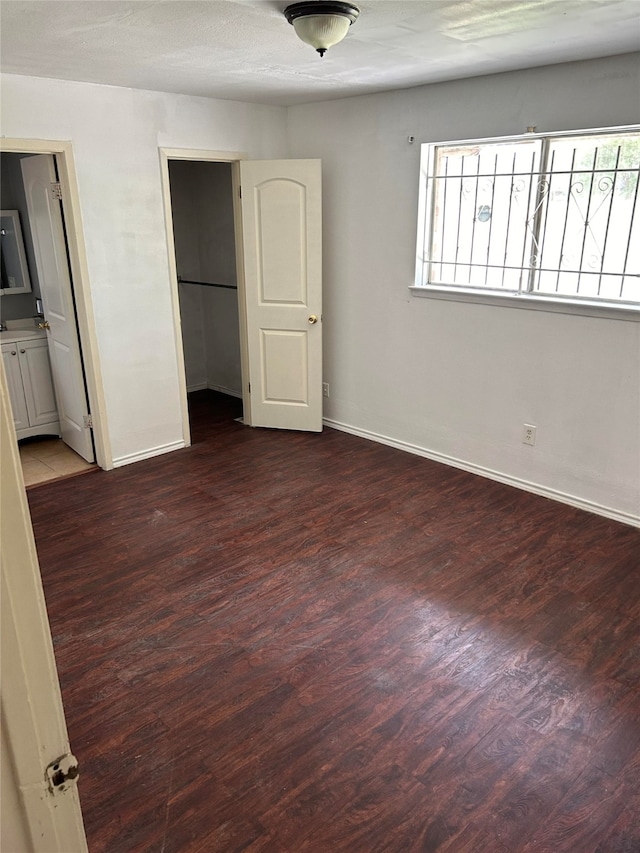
[[607, 310]]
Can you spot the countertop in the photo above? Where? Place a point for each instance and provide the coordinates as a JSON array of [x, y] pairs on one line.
[[11, 336]]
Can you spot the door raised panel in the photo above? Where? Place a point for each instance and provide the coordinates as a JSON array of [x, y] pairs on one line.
[[281, 212], [48, 253], [284, 362], [63, 362]]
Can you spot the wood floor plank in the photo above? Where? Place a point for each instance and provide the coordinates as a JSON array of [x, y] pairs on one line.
[[282, 642], [576, 823]]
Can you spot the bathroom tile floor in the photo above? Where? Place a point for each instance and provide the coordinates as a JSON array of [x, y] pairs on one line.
[[49, 459]]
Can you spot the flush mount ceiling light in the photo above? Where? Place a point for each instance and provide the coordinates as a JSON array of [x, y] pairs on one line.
[[321, 24]]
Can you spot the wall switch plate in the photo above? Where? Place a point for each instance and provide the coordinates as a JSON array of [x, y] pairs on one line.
[[529, 434], [325, 389]]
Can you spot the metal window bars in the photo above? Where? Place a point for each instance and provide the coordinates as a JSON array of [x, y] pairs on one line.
[[551, 216]]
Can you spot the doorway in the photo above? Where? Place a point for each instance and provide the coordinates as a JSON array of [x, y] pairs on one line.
[[191, 299], [41, 348], [73, 371], [203, 218], [277, 230]]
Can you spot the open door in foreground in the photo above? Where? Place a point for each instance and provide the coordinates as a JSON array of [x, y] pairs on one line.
[[39, 810], [47, 231], [282, 254]]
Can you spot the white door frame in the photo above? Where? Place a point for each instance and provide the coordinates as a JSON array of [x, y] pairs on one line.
[[201, 155], [63, 153]]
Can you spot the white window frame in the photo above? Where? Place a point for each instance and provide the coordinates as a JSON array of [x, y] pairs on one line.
[[557, 303]]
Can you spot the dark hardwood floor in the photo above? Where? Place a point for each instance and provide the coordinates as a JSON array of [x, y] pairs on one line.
[[295, 642]]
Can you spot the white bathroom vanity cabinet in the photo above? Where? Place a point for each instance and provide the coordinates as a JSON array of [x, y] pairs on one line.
[[25, 354]]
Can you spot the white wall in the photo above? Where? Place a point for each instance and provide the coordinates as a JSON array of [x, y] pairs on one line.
[[452, 379], [116, 134], [222, 335], [459, 380]]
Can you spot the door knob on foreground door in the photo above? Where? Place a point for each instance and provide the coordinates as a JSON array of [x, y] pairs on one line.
[[313, 319], [44, 325]]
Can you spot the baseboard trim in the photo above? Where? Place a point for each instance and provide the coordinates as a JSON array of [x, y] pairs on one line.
[[205, 386], [129, 458], [490, 474], [223, 390]]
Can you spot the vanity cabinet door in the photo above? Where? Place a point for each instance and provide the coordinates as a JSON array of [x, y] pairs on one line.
[[11, 359], [37, 382]]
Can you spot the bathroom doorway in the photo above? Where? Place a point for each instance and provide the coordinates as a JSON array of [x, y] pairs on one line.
[[38, 183]]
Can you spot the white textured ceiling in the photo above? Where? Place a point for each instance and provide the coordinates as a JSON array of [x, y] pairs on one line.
[[245, 50]]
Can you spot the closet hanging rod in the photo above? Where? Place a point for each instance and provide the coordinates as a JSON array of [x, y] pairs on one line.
[[207, 283]]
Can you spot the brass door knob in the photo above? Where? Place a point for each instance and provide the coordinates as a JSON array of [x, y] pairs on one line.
[[44, 325], [313, 319]]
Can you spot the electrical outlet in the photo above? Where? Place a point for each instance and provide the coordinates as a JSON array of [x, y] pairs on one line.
[[325, 389], [529, 434]]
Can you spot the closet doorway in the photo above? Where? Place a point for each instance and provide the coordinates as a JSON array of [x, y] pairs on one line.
[[204, 240], [277, 237]]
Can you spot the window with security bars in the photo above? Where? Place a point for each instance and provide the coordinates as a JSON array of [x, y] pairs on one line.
[[554, 216]]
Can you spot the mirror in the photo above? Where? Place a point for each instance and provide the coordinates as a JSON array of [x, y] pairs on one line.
[[13, 261]]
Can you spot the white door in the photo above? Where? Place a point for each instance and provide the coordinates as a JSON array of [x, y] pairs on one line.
[[282, 254], [47, 231], [35, 814]]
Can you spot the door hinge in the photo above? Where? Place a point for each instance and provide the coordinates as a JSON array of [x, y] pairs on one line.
[[240, 192], [249, 384], [60, 772], [56, 190], [87, 421]]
